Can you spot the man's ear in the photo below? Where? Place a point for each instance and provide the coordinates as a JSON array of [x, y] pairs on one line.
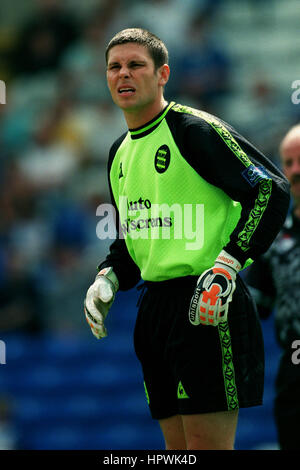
[[164, 73]]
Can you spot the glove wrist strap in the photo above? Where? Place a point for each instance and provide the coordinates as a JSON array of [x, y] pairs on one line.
[[110, 275], [228, 260]]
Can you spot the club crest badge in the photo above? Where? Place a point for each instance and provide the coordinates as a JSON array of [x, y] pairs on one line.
[[162, 159]]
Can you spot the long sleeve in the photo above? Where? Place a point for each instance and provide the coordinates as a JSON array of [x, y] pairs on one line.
[[126, 270], [227, 160], [118, 258]]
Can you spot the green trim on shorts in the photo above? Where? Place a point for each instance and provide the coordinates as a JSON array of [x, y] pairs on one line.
[[181, 393], [228, 367]]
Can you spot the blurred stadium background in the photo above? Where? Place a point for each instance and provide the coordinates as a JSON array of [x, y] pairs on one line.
[[59, 387]]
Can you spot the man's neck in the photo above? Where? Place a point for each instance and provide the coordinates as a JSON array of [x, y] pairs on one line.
[[137, 118]]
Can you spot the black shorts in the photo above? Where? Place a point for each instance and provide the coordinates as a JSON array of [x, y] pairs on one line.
[[198, 369]]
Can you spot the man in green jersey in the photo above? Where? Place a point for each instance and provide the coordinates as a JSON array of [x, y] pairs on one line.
[[195, 203]]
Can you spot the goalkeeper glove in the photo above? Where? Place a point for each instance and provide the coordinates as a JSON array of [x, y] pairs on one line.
[[99, 299], [213, 293]]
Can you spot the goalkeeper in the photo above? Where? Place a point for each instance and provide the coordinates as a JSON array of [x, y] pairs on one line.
[[197, 333]]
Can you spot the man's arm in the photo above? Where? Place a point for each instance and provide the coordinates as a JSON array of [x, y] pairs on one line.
[[117, 272], [126, 270], [118, 258], [227, 160]]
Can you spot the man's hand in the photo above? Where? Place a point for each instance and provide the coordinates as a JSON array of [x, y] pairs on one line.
[[99, 299], [213, 293]]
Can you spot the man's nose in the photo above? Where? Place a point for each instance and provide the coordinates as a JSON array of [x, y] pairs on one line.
[[124, 72], [295, 168]]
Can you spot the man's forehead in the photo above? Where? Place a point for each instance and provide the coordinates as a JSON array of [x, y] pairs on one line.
[[291, 145], [128, 51]]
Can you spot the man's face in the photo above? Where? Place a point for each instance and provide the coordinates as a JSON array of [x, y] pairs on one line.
[[290, 157], [131, 77]]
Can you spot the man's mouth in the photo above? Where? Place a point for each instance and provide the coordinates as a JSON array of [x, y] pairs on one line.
[[126, 91]]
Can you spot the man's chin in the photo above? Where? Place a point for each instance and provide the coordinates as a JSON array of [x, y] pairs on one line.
[[125, 103]]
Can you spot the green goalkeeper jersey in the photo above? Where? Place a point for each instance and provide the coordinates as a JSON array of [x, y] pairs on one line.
[[185, 186]]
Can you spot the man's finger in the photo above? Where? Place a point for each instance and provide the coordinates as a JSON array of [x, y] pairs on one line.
[[98, 330], [105, 292], [93, 310]]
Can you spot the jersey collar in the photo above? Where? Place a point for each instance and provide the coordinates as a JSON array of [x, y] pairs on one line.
[[151, 125]]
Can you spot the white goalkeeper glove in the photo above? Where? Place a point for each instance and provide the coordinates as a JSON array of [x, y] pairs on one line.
[[213, 293], [99, 299]]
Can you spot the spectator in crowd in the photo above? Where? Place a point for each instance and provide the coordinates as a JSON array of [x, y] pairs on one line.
[[42, 40], [81, 65], [155, 15], [19, 249], [275, 283], [202, 67]]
